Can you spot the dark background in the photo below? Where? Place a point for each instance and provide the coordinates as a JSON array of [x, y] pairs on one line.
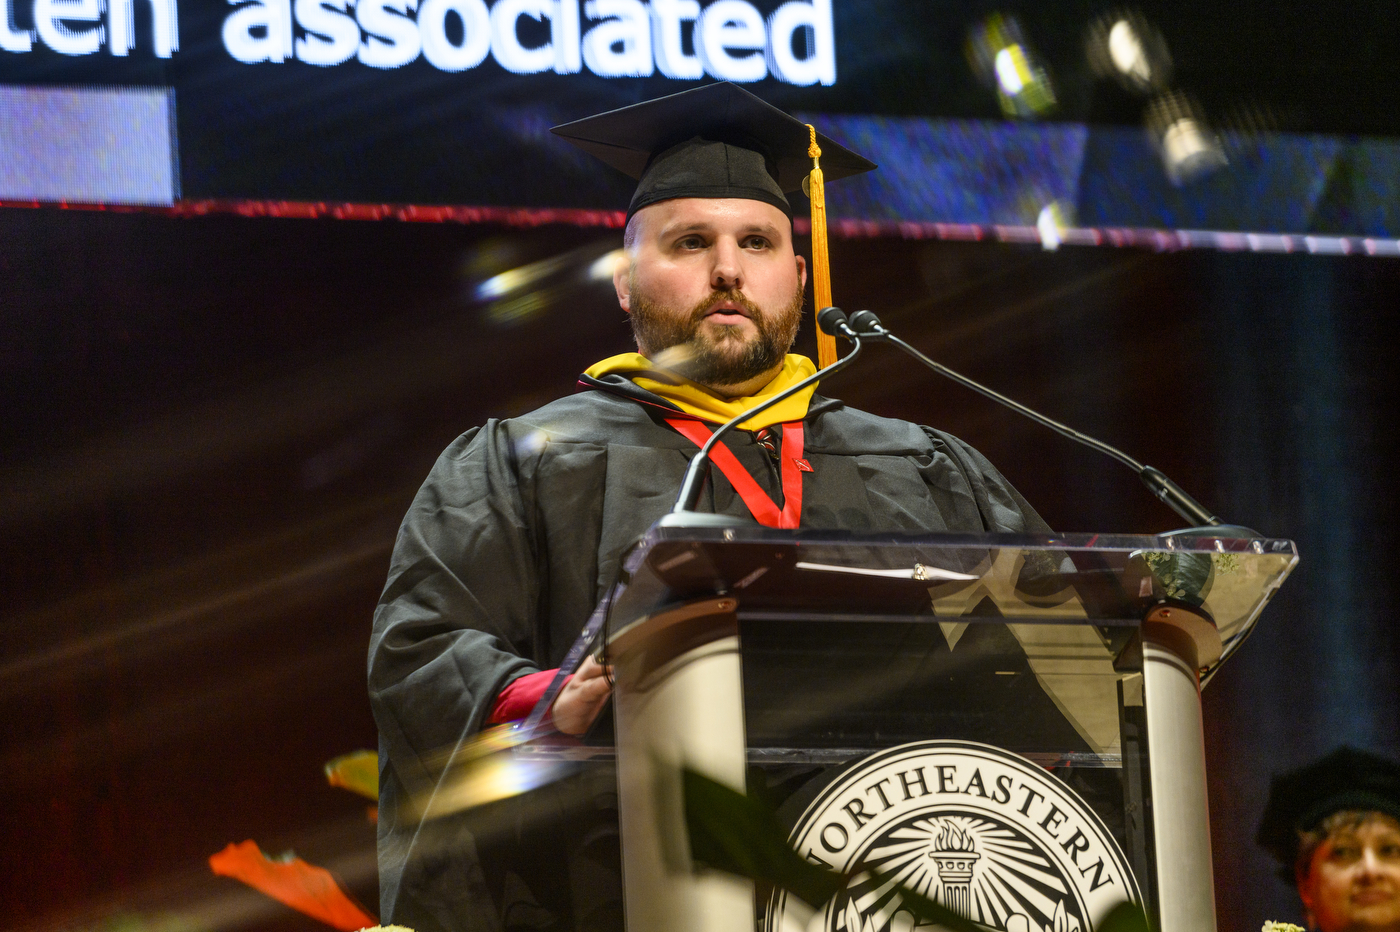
[[211, 428]]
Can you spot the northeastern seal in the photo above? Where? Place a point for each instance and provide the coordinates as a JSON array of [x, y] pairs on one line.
[[981, 830]]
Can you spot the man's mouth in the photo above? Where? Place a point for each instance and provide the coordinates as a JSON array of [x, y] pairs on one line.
[[727, 312]]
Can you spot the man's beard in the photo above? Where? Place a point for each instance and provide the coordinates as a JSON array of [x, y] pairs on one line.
[[717, 356]]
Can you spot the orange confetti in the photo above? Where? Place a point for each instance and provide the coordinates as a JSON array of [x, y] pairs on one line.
[[302, 886]]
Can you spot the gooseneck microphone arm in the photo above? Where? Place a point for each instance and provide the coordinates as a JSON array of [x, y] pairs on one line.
[[1174, 496], [831, 320]]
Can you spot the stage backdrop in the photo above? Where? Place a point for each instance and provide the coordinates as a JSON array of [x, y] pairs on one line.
[[213, 426]]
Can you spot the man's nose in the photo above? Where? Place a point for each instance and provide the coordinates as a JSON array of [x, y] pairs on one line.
[[728, 269], [1370, 862]]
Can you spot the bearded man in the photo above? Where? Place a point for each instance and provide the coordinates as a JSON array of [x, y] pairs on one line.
[[522, 524]]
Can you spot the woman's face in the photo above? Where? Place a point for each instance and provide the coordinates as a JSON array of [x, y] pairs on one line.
[[1353, 881]]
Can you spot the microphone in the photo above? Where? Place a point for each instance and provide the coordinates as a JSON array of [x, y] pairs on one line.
[[1204, 523], [831, 320]]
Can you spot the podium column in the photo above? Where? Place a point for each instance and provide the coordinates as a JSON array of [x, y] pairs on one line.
[[1176, 645], [679, 702]]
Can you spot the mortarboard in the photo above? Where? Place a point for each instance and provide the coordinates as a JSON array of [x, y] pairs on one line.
[[719, 140], [1346, 779]]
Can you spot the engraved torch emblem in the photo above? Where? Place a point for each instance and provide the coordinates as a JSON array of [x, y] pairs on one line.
[[956, 855]]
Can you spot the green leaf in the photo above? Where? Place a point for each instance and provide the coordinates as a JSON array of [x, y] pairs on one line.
[[732, 833], [1125, 917]]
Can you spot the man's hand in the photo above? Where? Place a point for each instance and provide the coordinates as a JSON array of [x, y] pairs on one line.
[[582, 698]]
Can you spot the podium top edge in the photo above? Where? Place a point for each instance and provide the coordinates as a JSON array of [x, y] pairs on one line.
[[963, 540]]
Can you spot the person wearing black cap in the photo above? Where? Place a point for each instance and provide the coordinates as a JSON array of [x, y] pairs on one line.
[[1334, 825], [522, 524]]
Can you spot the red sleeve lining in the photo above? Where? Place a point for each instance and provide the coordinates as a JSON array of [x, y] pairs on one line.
[[515, 701]]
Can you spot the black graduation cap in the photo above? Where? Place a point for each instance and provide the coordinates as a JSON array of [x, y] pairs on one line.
[[718, 140], [1346, 779]]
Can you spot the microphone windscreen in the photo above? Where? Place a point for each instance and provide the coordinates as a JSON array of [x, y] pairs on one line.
[[864, 322], [830, 319]]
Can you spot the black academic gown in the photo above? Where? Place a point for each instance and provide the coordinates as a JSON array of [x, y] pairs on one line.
[[519, 529]]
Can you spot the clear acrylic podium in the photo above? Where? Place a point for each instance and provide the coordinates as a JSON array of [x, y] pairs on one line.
[[756, 654]]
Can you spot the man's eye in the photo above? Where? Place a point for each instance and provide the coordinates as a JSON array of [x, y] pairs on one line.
[[1345, 853], [757, 242], [690, 242]]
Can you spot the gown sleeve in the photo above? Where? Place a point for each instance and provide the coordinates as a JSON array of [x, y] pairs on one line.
[[1001, 507], [456, 621]]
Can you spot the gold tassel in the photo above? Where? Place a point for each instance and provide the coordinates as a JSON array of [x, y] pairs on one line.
[[821, 262]]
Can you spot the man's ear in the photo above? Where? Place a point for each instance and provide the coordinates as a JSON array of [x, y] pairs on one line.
[[802, 270], [622, 281]]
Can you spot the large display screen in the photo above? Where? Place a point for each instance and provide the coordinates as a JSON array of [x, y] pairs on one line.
[[438, 101], [433, 102]]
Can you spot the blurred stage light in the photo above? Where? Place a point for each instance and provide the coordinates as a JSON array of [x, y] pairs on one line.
[[532, 444], [498, 286], [1002, 59], [511, 280], [602, 269], [1189, 148], [1013, 70], [519, 295], [486, 769], [1129, 49], [520, 309], [1054, 219]]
